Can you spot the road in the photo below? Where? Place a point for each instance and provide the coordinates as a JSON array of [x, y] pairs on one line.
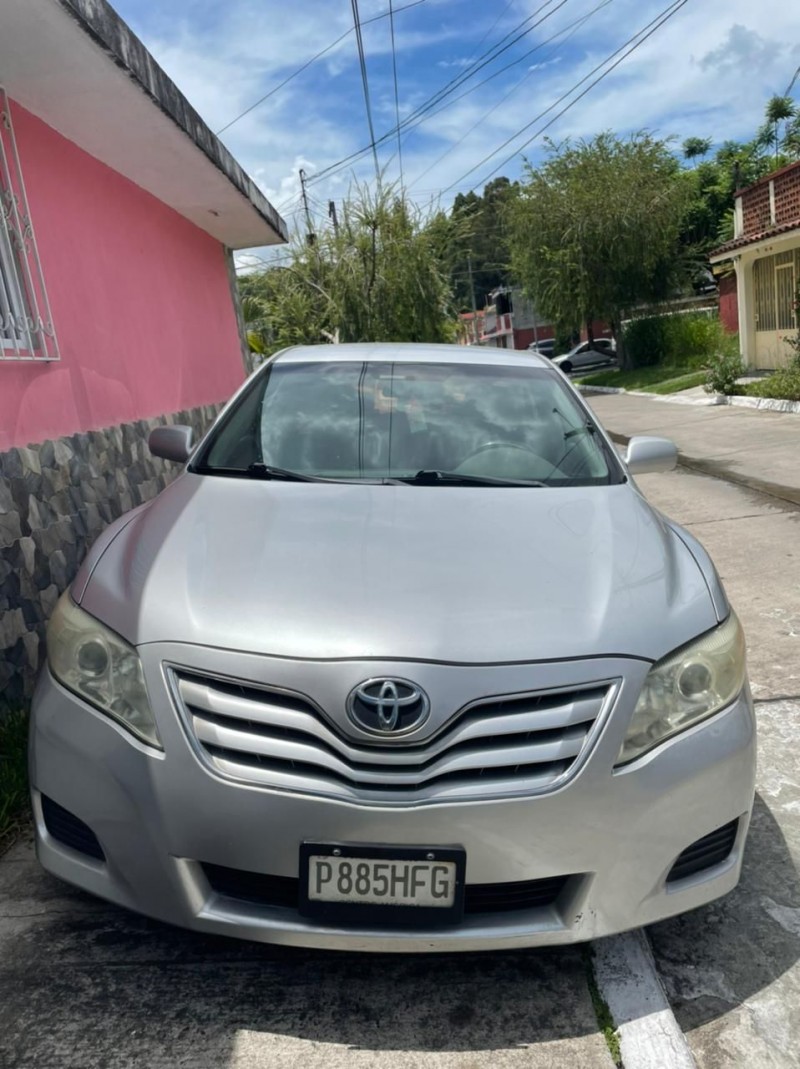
[[731, 970], [86, 985]]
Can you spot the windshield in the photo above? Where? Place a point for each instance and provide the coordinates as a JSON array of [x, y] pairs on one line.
[[376, 420]]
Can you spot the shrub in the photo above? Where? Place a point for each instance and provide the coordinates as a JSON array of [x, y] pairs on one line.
[[783, 384], [679, 340], [722, 372]]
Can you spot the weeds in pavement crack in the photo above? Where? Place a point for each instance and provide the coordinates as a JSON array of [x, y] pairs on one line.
[[605, 1021]]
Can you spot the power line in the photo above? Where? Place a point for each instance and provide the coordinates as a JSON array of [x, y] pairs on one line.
[[570, 30], [450, 87], [365, 83], [791, 83], [396, 97], [501, 70], [656, 24], [491, 28], [307, 64]]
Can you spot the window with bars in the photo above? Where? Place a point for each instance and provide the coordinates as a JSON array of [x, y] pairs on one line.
[[775, 281], [26, 326]]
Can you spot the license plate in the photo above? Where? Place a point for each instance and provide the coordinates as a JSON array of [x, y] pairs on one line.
[[414, 885]]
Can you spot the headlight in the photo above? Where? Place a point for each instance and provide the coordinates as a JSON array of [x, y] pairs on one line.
[[100, 667], [691, 684]]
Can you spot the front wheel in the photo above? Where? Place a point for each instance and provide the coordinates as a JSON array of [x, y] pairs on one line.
[[566, 367]]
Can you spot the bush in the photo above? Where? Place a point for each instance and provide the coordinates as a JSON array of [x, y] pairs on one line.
[[722, 372], [783, 384], [679, 340]]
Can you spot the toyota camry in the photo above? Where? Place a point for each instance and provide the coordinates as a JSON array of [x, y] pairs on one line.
[[402, 660]]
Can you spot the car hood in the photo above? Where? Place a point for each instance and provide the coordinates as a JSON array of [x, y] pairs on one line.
[[455, 574]]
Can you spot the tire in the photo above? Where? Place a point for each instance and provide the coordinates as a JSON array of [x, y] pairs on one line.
[[566, 367]]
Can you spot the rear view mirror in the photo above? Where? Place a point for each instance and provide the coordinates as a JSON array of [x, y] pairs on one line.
[[650, 454], [171, 443]]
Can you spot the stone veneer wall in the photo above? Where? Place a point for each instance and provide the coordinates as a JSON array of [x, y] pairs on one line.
[[55, 499]]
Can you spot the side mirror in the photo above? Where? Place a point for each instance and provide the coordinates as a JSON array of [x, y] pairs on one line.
[[650, 454], [171, 443]]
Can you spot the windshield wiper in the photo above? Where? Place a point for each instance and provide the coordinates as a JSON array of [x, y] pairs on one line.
[[586, 428], [259, 470], [262, 471], [434, 477]]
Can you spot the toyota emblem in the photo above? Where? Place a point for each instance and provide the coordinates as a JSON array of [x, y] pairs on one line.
[[388, 706]]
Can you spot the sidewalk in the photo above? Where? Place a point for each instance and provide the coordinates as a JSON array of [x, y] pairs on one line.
[[751, 447]]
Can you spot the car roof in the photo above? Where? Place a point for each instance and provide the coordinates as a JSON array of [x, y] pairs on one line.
[[412, 352]]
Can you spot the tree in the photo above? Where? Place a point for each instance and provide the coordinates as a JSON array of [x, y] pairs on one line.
[[481, 225], [696, 147], [780, 109], [380, 276], [595, 230], [709, 217]]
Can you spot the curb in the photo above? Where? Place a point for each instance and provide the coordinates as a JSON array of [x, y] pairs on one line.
[[628, 981], [764, 404], [787, 494]]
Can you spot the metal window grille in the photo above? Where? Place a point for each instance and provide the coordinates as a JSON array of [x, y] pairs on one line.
[[775, 282], [784, 286], [26, 325], [764, 285]]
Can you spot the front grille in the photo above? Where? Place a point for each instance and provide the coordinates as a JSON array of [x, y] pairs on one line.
[[497, 746], [67, 829], [711, 850], [282, 891]]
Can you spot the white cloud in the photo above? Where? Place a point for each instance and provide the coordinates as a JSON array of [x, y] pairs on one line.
[[709, 71]]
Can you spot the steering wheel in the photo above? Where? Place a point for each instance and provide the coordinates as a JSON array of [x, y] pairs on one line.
[[501, 445]]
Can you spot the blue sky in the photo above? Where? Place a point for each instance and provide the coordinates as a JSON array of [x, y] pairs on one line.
[[708, 72]]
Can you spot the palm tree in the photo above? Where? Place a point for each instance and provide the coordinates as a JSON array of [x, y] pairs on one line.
[[779, 109], [696, 147]]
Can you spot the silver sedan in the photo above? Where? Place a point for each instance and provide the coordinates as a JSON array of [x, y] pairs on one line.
[[403, 660]]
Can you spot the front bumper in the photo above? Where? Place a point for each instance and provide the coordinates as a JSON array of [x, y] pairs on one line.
[[160, 816]]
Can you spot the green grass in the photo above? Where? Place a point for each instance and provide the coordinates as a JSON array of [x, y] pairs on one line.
[[13, 774], [605, 1022], [656, 379]]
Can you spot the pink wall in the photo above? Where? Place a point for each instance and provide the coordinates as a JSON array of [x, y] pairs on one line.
[[140, 299]]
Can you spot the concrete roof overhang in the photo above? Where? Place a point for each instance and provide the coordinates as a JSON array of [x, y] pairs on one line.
[[77, 66], [775, 239]]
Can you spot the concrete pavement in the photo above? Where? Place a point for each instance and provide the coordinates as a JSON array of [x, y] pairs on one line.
[[732, 969], [754, 448], [86, 985]]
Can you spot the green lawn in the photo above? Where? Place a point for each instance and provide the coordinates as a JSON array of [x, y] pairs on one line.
[[13, 774], [652, 379]]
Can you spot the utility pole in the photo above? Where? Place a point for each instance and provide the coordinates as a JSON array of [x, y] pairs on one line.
[[472, 296], [333, 217], [310, 236]]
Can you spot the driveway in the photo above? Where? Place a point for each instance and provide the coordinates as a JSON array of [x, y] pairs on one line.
[[87, 985]]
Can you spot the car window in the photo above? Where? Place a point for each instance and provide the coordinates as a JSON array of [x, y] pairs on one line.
[[375, 420]]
